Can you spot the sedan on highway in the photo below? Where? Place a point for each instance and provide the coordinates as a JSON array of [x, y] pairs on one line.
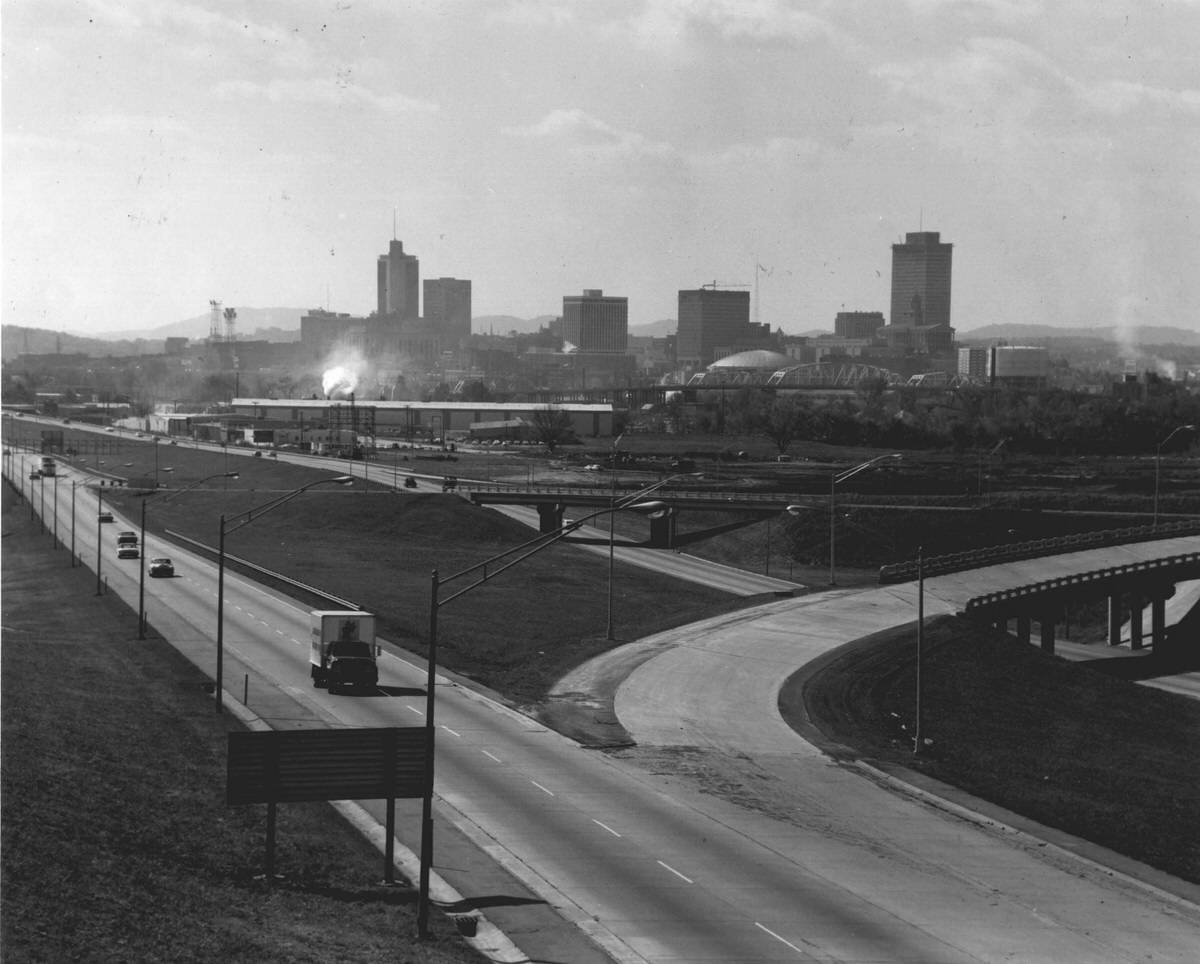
[[162, 566], [128, 552], [105, 517]]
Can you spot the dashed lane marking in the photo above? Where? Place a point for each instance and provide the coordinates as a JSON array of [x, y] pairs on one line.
[[676, 872]]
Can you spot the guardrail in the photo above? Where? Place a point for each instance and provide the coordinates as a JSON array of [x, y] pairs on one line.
[[294, 583], [990, 555], [606, 492], [988, 600]]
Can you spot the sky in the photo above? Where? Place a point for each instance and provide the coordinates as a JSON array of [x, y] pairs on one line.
[[159, 155]]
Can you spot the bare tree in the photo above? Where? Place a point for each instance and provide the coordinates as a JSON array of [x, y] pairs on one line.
[[552, 426]]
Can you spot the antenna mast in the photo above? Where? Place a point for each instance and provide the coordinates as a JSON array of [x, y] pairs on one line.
[[214, 320]]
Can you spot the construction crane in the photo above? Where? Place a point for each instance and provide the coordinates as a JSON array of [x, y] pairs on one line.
[[714, 285]]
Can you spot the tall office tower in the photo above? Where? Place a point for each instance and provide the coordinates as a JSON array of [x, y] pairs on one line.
[[398, 276], [710, 319], [592, 322], [920, 281], [448, 308]]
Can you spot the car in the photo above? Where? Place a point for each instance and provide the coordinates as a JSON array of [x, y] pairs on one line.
[[162, 566], [110, 429], [105, 517], [35, 474], [410, 482], [127, 538], [128, 552]]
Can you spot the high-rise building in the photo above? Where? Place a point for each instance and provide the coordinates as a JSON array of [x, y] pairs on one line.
[[920, 281], [710, 319], [858, 324], [398, 278], [448, 308], [595, 323]]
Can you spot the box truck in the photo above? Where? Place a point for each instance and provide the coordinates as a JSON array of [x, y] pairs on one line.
[[343, 651]]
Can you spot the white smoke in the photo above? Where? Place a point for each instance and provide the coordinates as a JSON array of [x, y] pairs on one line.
[[340, 379]]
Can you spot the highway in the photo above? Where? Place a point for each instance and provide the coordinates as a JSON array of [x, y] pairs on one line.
[[656, 871]]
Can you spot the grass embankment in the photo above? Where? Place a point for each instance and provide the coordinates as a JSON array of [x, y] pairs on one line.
[[516, 634], [1066, 744], [117, 842]]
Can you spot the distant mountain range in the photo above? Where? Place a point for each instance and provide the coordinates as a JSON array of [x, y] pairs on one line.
[[283, 325], [1145, 336]]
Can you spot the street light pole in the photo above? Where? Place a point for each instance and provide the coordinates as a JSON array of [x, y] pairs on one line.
[[244, 518], [42, 499], [99, 513], [142, 575], [55, 495], [833, 482], [522, 552], [1158, 459], [73, 484], [612, 515], [917, 737]]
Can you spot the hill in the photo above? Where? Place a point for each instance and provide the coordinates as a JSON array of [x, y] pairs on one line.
[[1146, 335]]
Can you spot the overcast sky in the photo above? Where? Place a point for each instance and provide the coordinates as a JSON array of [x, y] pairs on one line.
[[160, 154]]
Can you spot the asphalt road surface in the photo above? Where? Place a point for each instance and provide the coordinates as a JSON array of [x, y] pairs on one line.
[[654, 870]]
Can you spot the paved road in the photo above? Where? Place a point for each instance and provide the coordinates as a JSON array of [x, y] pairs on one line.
[[656, 871]]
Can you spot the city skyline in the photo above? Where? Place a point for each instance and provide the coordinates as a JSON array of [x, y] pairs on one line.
[[158, 156]]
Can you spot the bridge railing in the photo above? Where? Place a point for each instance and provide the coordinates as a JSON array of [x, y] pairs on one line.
[[1188, 560], [990, 555], [668, 494]]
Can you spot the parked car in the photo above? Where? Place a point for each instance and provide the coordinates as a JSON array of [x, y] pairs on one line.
[[106, 517], [162, 566], [128, 552], [127, 538]]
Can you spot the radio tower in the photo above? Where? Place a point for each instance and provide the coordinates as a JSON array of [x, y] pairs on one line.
[[214, 320], [230, 319]]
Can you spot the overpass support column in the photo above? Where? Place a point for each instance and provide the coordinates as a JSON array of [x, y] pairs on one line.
[[550, 518], [662, 530], [1114, 619], [1136, 604], [1023, 629], [1158, 622], [1047, 626]]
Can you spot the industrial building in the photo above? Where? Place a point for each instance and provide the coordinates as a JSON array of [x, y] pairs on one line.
[[294, 420]]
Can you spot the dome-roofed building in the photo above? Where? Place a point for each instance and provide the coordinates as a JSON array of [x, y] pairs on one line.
[[743, 368], [756, 359]]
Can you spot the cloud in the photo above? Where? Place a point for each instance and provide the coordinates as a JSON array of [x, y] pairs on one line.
[[672, 25], [578, 130], [1122, 97], [533, 13], [322, 90]]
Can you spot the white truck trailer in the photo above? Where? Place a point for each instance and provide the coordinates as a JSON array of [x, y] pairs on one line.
[[343, 651]]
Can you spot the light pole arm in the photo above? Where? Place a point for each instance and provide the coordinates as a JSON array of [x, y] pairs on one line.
[[247, 516], [866, 465]]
